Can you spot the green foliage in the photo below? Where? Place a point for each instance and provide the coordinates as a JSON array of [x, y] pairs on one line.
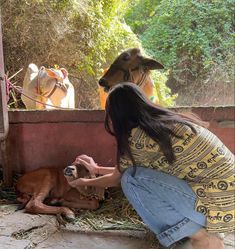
[[108, 34], [139, 16], [191, 38], [163, 93], [82, 36], [140, 13]]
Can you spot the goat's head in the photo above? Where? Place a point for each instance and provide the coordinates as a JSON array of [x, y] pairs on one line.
[[76, 171], [130, 66]]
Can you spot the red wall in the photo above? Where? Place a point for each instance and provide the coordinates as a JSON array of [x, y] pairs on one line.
[[56, 137], [221, 120]]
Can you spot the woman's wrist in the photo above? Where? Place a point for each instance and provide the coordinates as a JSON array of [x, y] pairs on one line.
[[100, 170], [97, 170], [81, 181]]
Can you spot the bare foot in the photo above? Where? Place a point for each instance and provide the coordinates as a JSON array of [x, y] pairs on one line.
[[203, 240]]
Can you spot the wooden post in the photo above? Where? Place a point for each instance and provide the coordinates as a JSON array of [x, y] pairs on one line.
[[4, 123]]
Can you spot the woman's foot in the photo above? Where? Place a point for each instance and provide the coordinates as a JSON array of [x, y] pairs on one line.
[[203, 240]]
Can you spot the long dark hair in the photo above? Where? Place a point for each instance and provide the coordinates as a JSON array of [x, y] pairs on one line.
[[127, 107]]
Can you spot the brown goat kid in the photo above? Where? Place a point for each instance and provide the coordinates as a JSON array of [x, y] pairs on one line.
[[39, 189]]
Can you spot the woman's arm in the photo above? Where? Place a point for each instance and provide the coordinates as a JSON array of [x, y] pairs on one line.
[[107, 180], [110, 175], [93, 168], [104, 170]]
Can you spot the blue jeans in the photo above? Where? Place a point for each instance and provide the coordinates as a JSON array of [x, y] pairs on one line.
[[165, 203]]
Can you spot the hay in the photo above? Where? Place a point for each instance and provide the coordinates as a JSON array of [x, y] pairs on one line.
[[115, 213], [114, 217], [7, 194]]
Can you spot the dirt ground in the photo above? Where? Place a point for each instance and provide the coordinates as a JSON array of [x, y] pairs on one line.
[[19, 230]]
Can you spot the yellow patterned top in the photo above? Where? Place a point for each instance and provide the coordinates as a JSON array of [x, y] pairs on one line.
[[203, 161]]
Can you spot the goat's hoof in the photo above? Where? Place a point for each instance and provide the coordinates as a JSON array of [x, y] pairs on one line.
[[60, 220], [70, 217], [94, 204]]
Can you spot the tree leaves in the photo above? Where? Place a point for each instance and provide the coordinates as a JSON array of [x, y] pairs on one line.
[[192, 38]]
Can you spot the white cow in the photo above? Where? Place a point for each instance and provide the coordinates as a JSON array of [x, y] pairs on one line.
[[47, 86]]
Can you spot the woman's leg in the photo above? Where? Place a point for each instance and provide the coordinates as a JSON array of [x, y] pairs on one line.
[[164, 202]]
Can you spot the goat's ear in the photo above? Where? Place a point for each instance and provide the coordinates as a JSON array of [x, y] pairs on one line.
[[51, 73], [32, 68], [65, 72], [151, 64]]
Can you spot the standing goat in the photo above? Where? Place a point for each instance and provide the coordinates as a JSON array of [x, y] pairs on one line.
[[133, 67], [44, 88]]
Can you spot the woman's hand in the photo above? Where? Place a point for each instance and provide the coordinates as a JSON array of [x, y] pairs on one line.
[[73, 184], [89, 163], [76, 183], [107, 180]]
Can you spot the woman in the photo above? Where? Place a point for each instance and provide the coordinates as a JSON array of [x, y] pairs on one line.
[[176, 174]]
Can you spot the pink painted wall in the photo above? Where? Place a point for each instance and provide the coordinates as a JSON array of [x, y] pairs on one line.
[[56, 137], [221, 120]]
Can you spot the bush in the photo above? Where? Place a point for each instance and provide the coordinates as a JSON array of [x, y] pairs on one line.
[[81, 36], [194, 40]]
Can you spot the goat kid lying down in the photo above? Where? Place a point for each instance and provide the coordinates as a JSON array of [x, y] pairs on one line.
[[46, 191]]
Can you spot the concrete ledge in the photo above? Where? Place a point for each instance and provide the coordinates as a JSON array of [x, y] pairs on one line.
[[38, 116], [55, 116], [210, 113]]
